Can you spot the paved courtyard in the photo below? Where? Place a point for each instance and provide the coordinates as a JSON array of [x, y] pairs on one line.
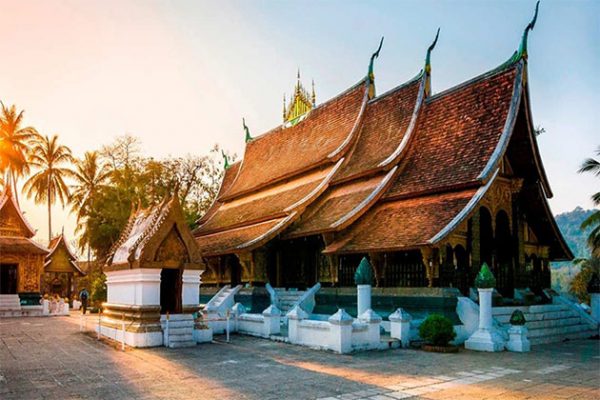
[[48, 358]]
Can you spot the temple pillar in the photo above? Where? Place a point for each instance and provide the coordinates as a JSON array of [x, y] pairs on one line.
[[332, 260], [246, 261], [427, 256], [377, 261], [259, 267], [475, 250]]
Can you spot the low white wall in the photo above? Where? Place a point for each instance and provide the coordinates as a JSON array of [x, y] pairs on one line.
[[340, 333], [133, 339]]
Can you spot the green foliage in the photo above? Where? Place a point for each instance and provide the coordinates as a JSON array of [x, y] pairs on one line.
[[517, 318], [579, 284], [592, 166], [437, 330], [364, 273], [485, 279], [122, 179], [98, 290]]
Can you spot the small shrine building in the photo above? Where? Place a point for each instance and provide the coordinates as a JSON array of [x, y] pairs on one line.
[[152, 270], [21, 257], [60, 268], [427, 186]]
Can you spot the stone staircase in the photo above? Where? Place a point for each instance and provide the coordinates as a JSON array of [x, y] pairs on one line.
[[181, 330], [225, 295], [549, 323], [288, 298], [10, 305]]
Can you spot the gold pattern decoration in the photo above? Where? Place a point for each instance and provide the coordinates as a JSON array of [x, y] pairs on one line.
[[300, 104]]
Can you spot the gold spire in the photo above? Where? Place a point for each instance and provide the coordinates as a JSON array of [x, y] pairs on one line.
[[301, 102]]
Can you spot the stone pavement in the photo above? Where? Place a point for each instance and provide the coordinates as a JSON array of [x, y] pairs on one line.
[[48, 358]]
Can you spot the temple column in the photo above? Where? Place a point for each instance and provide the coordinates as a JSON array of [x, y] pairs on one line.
[[246, 261], [259, 267], [377, 261], [427, 256], [475, 250], [332, 260]]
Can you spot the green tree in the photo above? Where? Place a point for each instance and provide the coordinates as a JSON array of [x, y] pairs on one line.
[[51, 160], [592, 166], [588, 266], [89, 174], [15, 141]]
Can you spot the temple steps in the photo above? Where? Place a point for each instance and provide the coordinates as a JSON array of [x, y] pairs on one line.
[[287, 298], [10, 302], [550, 323], [181, 330]]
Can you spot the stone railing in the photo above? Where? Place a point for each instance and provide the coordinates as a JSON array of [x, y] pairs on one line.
[[340, 333], [262, 325]]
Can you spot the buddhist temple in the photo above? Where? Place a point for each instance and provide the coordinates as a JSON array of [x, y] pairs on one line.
[[427, 186], [60, 268], [21, 258], [153, 271]]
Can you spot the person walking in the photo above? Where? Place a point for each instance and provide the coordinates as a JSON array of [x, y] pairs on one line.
[[83, 296]]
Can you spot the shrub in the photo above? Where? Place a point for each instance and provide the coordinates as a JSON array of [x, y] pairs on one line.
[[437, 330]]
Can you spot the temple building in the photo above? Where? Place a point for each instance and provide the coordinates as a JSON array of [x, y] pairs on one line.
[[427, 185], [21, 259], [153, 274], [60, 268]]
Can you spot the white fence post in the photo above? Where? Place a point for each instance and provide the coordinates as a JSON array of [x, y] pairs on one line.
[[341, 331], [400, 326], [295, 316], [272, 321]]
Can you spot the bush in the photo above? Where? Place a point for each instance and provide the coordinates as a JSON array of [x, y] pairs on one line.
[[437, 330]]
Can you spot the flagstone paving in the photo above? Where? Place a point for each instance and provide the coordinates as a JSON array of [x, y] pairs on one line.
[[49, 358]]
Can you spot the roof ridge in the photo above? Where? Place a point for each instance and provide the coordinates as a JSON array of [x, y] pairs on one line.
[[488, 74]]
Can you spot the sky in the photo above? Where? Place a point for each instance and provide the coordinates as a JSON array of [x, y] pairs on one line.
[[180, 75]]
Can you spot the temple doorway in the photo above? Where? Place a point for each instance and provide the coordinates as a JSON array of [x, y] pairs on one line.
[[170, 291], [8, 278]]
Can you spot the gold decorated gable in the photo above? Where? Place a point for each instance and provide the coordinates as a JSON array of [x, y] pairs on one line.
[[158, 237]]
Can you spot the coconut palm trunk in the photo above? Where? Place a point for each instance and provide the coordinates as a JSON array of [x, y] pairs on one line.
[[49, 213]]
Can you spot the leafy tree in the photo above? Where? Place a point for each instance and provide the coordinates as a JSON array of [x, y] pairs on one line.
[[48, 184], [588, 266], [90, 174], [14, 144], [593, 221], [132, 179]]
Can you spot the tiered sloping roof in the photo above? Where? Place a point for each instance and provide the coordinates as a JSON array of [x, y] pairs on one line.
[[144, 233], [56, 244], [410, 167], [15, 231]]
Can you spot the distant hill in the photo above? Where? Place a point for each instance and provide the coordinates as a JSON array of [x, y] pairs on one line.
[[569, 224]]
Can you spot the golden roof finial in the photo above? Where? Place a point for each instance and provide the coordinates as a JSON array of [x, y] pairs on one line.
[[301, 102], [314, 96], [284, 107]]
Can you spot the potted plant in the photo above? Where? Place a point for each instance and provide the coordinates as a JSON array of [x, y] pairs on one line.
[[437, 331]]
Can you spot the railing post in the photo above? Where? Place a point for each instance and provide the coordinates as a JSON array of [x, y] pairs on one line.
[[123, 329], [99, 325], [167, 331], [228, 315]]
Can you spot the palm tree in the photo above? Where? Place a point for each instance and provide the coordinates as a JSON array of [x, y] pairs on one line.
[[47, 184], [90, 175], [15, 143], [593, 166]]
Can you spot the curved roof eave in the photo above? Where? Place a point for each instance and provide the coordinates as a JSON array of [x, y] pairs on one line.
[[465, 212], [509, 125], [534, 146]]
